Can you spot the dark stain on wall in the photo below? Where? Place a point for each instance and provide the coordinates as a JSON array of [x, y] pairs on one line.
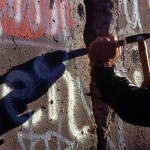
[[98, 21], [51, 4], [80, 9]]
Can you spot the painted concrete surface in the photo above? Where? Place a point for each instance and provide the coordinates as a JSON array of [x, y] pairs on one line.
[[122, 18], [132, 19], [43, 89], [43, 103]]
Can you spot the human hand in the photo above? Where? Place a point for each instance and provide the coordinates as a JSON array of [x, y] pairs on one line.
[[104, 49]]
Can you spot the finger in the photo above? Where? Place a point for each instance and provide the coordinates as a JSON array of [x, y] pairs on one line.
[[112, 37], [115, 40], [96, 44]]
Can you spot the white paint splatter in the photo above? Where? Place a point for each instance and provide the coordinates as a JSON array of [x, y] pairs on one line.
[[18, 17], [1, 29], [59, 131], [38, 11], [5, 90], [53, 108], [52, 105], [138, 78], [34, 21], [35, 138], [79, 134], [55, 21], [135, 20], [64, 24], [45, 19], [37, 117]]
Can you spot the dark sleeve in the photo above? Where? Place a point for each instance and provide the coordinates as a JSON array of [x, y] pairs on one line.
[[130, 102]]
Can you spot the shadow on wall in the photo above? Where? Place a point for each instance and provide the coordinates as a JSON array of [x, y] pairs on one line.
[[26, 83]]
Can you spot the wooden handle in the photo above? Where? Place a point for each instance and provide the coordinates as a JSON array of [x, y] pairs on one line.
[[144, 59]]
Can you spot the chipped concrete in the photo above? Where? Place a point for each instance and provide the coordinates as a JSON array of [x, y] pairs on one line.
[[45, 105]]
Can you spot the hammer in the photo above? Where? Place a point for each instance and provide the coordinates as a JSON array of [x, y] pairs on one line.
[[142, 51], [143, 54]]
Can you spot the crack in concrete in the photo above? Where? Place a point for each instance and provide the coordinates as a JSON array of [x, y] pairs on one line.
[[13, 40]]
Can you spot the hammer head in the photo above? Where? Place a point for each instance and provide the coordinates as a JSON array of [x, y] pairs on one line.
[[136, 38]]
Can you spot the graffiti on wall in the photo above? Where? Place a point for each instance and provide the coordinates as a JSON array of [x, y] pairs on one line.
[[23, 84], [24, 23], [135, 24], [25, 20], [28, 82], [35, 138], [133, 19], [32, 19], [129, 21]]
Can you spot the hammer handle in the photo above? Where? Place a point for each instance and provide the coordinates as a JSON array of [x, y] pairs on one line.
[[144, 59]]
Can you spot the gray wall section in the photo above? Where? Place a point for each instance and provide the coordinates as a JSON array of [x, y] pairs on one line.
[[43, 103]]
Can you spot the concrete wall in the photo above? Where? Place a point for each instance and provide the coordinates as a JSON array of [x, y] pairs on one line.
[[122, 18], [131, 17], [43, 104]]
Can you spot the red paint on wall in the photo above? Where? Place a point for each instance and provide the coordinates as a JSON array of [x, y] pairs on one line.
[[34, 17]]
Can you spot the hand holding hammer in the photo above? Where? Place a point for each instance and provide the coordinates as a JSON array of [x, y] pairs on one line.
[[102, 45]]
